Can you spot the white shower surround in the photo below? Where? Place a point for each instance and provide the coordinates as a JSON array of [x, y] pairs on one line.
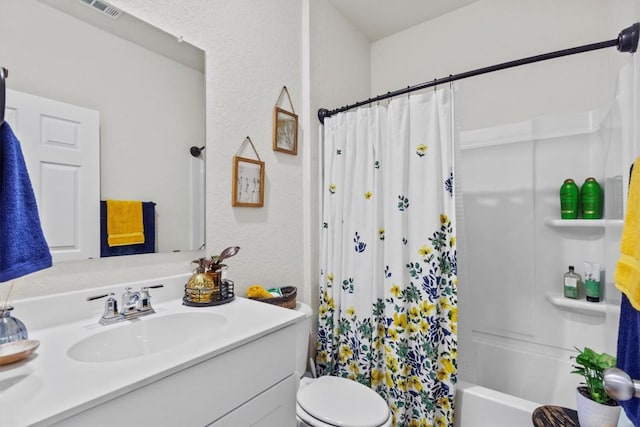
[[520, 334]]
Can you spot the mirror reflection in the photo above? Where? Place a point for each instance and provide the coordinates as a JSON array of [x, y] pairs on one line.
[[148, 89]]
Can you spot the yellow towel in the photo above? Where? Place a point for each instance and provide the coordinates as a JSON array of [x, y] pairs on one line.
[[257, 291], [627, 277], [124, 222]]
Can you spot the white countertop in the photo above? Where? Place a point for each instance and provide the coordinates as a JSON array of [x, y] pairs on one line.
[[50, 386]]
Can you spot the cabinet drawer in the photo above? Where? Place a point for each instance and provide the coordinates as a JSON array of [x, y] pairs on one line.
[[275, 407]]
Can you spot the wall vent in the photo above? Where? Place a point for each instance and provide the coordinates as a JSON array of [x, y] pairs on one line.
[[104, 8]]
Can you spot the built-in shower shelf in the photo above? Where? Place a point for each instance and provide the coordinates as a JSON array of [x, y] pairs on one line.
[[584, 227], [582, 306], [586, 224]]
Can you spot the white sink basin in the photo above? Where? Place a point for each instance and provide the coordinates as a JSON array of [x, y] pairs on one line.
[[146, 335]]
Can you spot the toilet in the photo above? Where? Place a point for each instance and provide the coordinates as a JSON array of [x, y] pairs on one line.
[[333, 401]]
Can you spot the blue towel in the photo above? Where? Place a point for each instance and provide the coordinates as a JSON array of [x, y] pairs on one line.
[[628, 353], [23, 248]]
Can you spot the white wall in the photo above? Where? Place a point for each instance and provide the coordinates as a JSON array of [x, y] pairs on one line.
[[337, 64], [146, 129], [489, 32], [511, 338]]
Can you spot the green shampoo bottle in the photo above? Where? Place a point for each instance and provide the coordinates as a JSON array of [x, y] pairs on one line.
[[569, 199], [591, 198]]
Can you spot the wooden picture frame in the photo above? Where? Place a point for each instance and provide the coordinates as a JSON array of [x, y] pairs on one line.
[[248, 182], [285, 131]]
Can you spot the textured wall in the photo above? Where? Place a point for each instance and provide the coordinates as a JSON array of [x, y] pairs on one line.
[[253, 48]]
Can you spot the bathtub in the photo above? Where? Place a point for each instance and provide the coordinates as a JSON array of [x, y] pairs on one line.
[[478, 406]]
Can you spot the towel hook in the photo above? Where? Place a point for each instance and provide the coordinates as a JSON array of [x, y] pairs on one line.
[[195, 151], [4, 73]]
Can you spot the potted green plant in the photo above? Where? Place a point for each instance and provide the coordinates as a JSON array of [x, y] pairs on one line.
[[214, 265], [595, 407]]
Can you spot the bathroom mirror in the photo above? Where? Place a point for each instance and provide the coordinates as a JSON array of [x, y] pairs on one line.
[[148, 87]]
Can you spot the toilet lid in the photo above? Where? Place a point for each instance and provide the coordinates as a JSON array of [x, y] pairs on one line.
[[342, 402]]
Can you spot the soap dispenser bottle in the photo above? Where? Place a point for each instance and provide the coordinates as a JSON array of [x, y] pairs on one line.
[[200, 285]]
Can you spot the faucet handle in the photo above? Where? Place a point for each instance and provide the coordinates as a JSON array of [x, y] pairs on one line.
[[110, 308], [144, 303], [95, 297]]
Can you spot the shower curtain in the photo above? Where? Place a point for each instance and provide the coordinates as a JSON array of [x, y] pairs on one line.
[[388, 304]]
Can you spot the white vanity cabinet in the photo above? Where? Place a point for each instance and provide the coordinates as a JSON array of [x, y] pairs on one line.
[[250, 385], [227, 365]]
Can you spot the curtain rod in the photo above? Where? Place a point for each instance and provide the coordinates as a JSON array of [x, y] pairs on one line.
[[627, 41]]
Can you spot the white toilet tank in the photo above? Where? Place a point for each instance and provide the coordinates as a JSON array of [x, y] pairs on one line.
[[302, 338]]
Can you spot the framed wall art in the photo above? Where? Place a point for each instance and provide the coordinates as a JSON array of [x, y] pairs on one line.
[[285, 127], [248, 181]]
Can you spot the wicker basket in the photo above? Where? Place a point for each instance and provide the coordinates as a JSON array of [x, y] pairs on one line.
[[287, 300]]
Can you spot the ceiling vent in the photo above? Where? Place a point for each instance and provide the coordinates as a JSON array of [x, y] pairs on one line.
[[103, 8]]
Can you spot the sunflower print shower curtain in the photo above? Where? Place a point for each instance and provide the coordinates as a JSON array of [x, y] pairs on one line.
[[388, 304]]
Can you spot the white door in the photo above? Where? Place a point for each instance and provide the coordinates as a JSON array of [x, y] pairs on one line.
[[61, 146]]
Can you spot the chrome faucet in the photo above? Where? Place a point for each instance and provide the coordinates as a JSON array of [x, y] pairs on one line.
[[134, 305], [129, 301]]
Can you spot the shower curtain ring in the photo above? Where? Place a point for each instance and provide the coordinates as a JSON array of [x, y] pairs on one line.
[[435, 84]]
